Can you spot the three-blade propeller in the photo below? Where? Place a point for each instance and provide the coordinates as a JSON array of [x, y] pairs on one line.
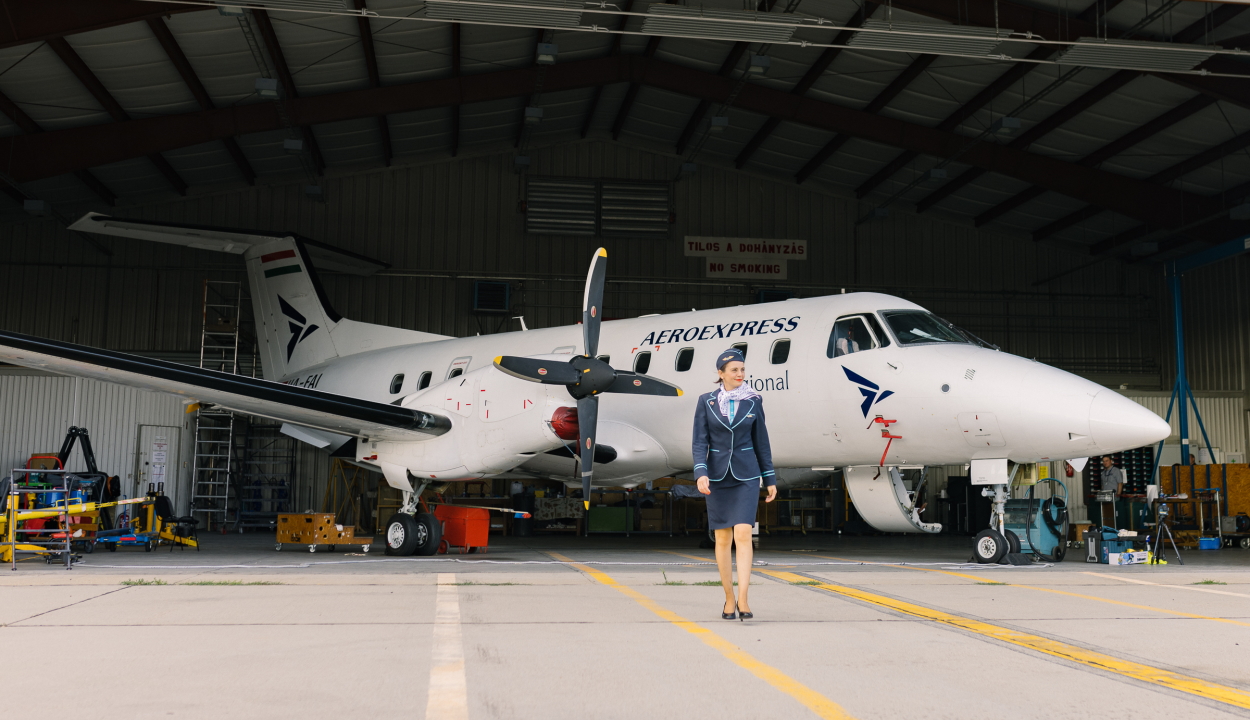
[[586, 376]]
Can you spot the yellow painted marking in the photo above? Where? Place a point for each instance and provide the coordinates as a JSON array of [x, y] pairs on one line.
[[1071, 653], [679, 392], [819, 704], [603, 253], [498, 358], [448, 696], [1149, 608]]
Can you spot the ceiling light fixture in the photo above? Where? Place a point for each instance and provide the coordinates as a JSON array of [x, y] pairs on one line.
[[547, 53], [1137, 54], [719, 123], [529, 16], [268, 88], [533, 115], [230, 10], [293, 146], [1005, 125], [759, 65], [926, 38], [699, 21]]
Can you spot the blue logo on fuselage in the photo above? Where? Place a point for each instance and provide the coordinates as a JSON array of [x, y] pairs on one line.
[[870, 390], [296, 322]]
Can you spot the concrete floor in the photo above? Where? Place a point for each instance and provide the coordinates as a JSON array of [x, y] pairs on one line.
[[622, 630]]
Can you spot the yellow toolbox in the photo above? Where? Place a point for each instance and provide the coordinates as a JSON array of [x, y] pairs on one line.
[[317, 530]]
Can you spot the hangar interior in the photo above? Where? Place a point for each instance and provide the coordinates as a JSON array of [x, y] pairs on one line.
[[1053, 179]]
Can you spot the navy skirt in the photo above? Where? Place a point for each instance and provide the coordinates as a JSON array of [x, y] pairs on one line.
[[733, 502]]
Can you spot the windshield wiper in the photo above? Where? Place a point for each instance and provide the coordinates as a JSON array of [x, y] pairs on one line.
[[970, 337]]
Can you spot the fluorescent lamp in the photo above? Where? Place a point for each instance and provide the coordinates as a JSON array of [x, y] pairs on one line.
[[292, 146], [719, 123], [1005, 125], [547, 53], [759, 65], [455, 10], [234, 10], [533, 115], [268, 88], [937, 39], [1135, 54], [699, 21]]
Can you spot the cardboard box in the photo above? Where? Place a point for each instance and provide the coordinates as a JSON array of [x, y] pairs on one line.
[[1128, 558]]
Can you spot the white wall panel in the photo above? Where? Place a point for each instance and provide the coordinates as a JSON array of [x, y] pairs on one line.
[[36, 411]]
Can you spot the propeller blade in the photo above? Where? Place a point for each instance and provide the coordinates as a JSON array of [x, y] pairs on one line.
[[587, 424], [592, 302], [548, 372], [636, 384]]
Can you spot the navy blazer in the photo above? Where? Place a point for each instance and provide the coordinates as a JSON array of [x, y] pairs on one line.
[[737, 450]]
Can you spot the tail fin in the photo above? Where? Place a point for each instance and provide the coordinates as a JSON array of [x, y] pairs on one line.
[[296, 326]]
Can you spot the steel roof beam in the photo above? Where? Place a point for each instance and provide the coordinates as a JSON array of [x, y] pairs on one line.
[[89, 80], [53, 153], [653, 44], [30, 127], [614, 49], [183, 65], [882, 99], [805, 83], [1106, 152], [288, 84], [27, 22], [375, 79]]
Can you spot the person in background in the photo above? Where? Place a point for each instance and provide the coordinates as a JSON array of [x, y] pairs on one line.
[[1112, 477], [847, 345]]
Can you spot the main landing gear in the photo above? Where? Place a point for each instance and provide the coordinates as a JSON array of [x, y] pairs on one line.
[[411, 532]]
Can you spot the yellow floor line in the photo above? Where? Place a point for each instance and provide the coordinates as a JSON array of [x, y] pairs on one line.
[[1174, 587], [1121, 603], [1072, 653], [814, 701]]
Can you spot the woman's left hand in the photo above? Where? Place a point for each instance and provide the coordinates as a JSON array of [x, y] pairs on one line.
[[772, 494]]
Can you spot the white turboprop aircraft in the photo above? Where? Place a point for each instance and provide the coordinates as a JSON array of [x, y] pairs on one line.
[[862, 381]]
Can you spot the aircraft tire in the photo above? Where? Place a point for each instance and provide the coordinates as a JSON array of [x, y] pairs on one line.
[[1013, 542], [401, 535], [989, 547], [428, 534]]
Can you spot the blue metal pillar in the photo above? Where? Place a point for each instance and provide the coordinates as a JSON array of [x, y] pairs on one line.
[[1181, 391]]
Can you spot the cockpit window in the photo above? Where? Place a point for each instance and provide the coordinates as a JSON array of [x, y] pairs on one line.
[[850, 335], [916, 327]]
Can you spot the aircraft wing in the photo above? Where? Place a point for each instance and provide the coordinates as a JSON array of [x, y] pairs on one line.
[[253, 396]]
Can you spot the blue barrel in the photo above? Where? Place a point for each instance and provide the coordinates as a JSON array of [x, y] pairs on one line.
[[48, 499]]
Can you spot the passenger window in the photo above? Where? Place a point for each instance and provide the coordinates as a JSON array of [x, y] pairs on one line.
[[685, 358], [742, 347], [781, 352], [642, 362], [455, 373], [850, 335], [397, 383], [605, 358], [424, 381]]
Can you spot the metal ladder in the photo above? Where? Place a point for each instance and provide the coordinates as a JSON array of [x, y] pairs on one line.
[[215, 429]]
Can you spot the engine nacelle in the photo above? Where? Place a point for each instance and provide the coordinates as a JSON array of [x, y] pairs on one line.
[[498, 422]]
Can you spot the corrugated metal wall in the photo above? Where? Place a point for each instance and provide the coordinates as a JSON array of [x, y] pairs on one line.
[[1223, 417], [37, 409]]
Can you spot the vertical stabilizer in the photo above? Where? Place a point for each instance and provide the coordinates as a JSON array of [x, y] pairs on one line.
[[294, 322]]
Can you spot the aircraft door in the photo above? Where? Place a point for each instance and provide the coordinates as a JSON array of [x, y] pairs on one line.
[[459, 366]]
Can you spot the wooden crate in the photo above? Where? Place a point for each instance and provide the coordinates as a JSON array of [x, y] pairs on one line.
[[1233, 481], [317, 529]]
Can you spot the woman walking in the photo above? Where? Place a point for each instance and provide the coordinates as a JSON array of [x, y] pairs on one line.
[[732, 460]]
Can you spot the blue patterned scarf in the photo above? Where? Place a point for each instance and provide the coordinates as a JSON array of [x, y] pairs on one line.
[[724, 398]]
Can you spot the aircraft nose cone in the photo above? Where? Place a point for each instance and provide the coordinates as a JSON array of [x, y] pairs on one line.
[[1117, 423]]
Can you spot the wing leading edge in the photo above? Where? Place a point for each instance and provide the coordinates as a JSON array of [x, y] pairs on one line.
[[253, 396]]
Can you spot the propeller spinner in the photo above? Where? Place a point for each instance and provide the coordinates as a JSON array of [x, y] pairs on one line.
[[586, 376]]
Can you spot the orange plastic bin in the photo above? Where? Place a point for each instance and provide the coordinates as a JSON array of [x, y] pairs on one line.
[[464, 528]]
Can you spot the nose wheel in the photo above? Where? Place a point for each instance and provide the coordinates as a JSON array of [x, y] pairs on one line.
[[990, 546]]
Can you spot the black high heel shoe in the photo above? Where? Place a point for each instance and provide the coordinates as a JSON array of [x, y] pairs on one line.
[[744, 615], [730, 615]]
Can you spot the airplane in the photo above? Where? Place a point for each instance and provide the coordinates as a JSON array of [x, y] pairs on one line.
[[865, 382]]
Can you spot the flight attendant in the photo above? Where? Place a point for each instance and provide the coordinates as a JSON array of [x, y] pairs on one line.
[[732, 460]]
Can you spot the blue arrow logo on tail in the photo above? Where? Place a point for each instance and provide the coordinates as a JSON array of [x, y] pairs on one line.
[[297, 323]]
